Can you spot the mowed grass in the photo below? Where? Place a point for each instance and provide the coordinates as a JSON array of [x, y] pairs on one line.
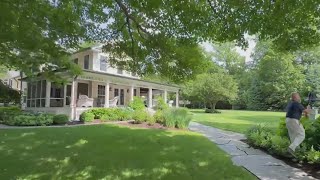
[[112, 152], [238, 121]]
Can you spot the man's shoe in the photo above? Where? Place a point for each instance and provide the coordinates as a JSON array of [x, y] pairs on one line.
[[290, 151]]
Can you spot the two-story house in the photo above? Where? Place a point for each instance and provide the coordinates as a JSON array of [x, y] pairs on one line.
[[99, 85]]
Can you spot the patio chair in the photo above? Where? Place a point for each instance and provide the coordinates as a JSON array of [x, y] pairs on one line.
[[85, 101], [113, 102]]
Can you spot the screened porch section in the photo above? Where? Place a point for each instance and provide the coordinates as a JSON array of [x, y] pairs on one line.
[[43, 93]]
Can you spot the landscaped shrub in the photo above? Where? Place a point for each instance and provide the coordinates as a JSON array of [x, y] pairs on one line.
[[161, 104], [278, 142], [259, 135], [87, 116], [123, 114], [140, 116], [177, 117], [313, 156], [28, 119], [159, 117], [212, 111], [150, 119], [7, 114], [137, 104], [112, 114], [60, 119]]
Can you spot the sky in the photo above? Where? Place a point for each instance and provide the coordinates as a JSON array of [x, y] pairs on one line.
[[243, 52]]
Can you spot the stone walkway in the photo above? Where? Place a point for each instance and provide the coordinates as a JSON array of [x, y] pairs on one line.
[[256, 161]]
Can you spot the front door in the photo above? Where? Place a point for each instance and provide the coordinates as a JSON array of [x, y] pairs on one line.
[[120, 93]]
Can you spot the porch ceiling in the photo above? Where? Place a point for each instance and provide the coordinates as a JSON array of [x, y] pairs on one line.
[[122, 80]]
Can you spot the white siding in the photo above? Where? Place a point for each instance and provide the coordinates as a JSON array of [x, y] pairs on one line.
[[94, 58]]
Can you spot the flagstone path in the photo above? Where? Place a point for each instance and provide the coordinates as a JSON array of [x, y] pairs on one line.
[[262, 165]]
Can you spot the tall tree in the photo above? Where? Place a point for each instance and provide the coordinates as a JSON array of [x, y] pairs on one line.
[[275, 78], [41, 32], [211, 88]]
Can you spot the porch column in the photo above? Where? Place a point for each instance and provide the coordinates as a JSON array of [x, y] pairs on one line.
[[73, 99], [64, 95], [131, 92], [107, 95], [150, 98], [165, 96], [177, 99], [48, 93]]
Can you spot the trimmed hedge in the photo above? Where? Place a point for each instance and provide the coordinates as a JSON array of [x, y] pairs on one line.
[[110, 114], [87, 116], [60, 119]]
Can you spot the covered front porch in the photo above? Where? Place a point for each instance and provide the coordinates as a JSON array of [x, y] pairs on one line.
[[93, 90]]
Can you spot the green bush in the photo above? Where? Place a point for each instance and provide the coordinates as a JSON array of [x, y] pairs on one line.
[[140, 116], [212, 111], [28, 119], [60, 119], [123, 114], [137, 104], [313, 156], [279, 144], [260, 136], [161, 104], [112, 114], [177, 117], [7, 114], [87, 116], [105, 117], [150, 119], [159, 117]]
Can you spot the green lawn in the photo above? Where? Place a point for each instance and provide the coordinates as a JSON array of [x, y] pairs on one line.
[[112, 152], [237, 121]]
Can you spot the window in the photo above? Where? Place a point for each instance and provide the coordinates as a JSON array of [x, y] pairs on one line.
[[86, 62], [101, 95], [103, 63], [76, 61], [36, 94], [56, 95], [120, 71]]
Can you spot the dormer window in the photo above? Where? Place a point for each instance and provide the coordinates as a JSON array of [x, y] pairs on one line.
[[103, 63], [86, 62]]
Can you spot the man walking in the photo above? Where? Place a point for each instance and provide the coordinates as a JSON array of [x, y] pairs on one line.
[[295, 128]]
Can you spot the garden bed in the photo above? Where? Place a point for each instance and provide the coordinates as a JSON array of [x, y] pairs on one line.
[[129, 123], [311, 169]]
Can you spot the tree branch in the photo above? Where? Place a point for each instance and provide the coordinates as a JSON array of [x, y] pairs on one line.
[[131, 36], [125, 10]]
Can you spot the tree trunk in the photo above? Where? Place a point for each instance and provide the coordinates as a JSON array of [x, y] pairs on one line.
[[213, 106]]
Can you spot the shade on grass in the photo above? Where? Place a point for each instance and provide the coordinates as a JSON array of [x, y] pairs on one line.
[[238, 121], [112, 152]]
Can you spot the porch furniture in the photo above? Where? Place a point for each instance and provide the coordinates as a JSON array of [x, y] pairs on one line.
[[113, 102], [170, 103], [85, 101]]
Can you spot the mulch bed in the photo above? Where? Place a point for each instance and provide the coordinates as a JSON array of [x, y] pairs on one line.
[[311, 169], [129, 123]]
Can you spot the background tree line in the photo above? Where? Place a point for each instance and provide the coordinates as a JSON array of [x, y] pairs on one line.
[[264, 83]]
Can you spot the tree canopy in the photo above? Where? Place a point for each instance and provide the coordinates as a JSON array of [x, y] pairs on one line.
[[155, 34]]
